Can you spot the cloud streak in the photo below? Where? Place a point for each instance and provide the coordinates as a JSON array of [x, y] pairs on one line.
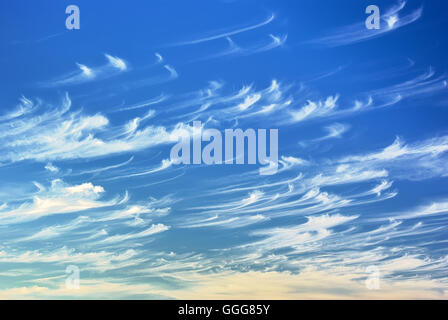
[[391, 21], [221, 35], [85, 74]]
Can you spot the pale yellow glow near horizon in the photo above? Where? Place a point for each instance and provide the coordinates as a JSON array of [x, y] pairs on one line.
[[309, 284]]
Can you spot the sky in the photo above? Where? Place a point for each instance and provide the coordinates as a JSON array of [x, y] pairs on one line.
[[358, 208]]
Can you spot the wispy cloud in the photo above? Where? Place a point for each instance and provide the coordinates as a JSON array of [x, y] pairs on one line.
[[87, 180], [391, 21], [248, 49], [101, 260], [315, 109], [147, 232], [60, 198], [172, 71], [60, 134], [50, 167], [114, 66], [219, 35], [145, 103]]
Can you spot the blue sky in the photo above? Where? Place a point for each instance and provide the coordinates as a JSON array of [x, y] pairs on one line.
[[88, 118]]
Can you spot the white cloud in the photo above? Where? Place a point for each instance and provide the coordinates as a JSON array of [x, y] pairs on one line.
[[315, 109], [315, 229], [229, 33], [100, 261], [84, 189], [172, 71], [59, 198], [50, 167], [249, 101], [114, 66], [154, 229], [358, 32], [435, 208], [117, 62], [70, 135], [86, 71], [398, 150]]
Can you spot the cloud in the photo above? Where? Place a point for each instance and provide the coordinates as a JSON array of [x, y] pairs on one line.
[[155, 228], [172, 71], [314, 109], [311, 283], [60, 134], [117, 62], [25, 106], [228, 33], [50, 167], [435, 208], [102, 169], [56, 230], [159, 57], [86, 71], [334, 131], [315, 229], [310, 230], [84, 189], [276, 41], [286, 163], [384, 185], [241, 104], [59, 198], [240, 50], [398, 151], [100, 261], [114, 66], [145, 103], [424, 84], [234, 222], [358, 32], [166, 163], [249, 101]]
